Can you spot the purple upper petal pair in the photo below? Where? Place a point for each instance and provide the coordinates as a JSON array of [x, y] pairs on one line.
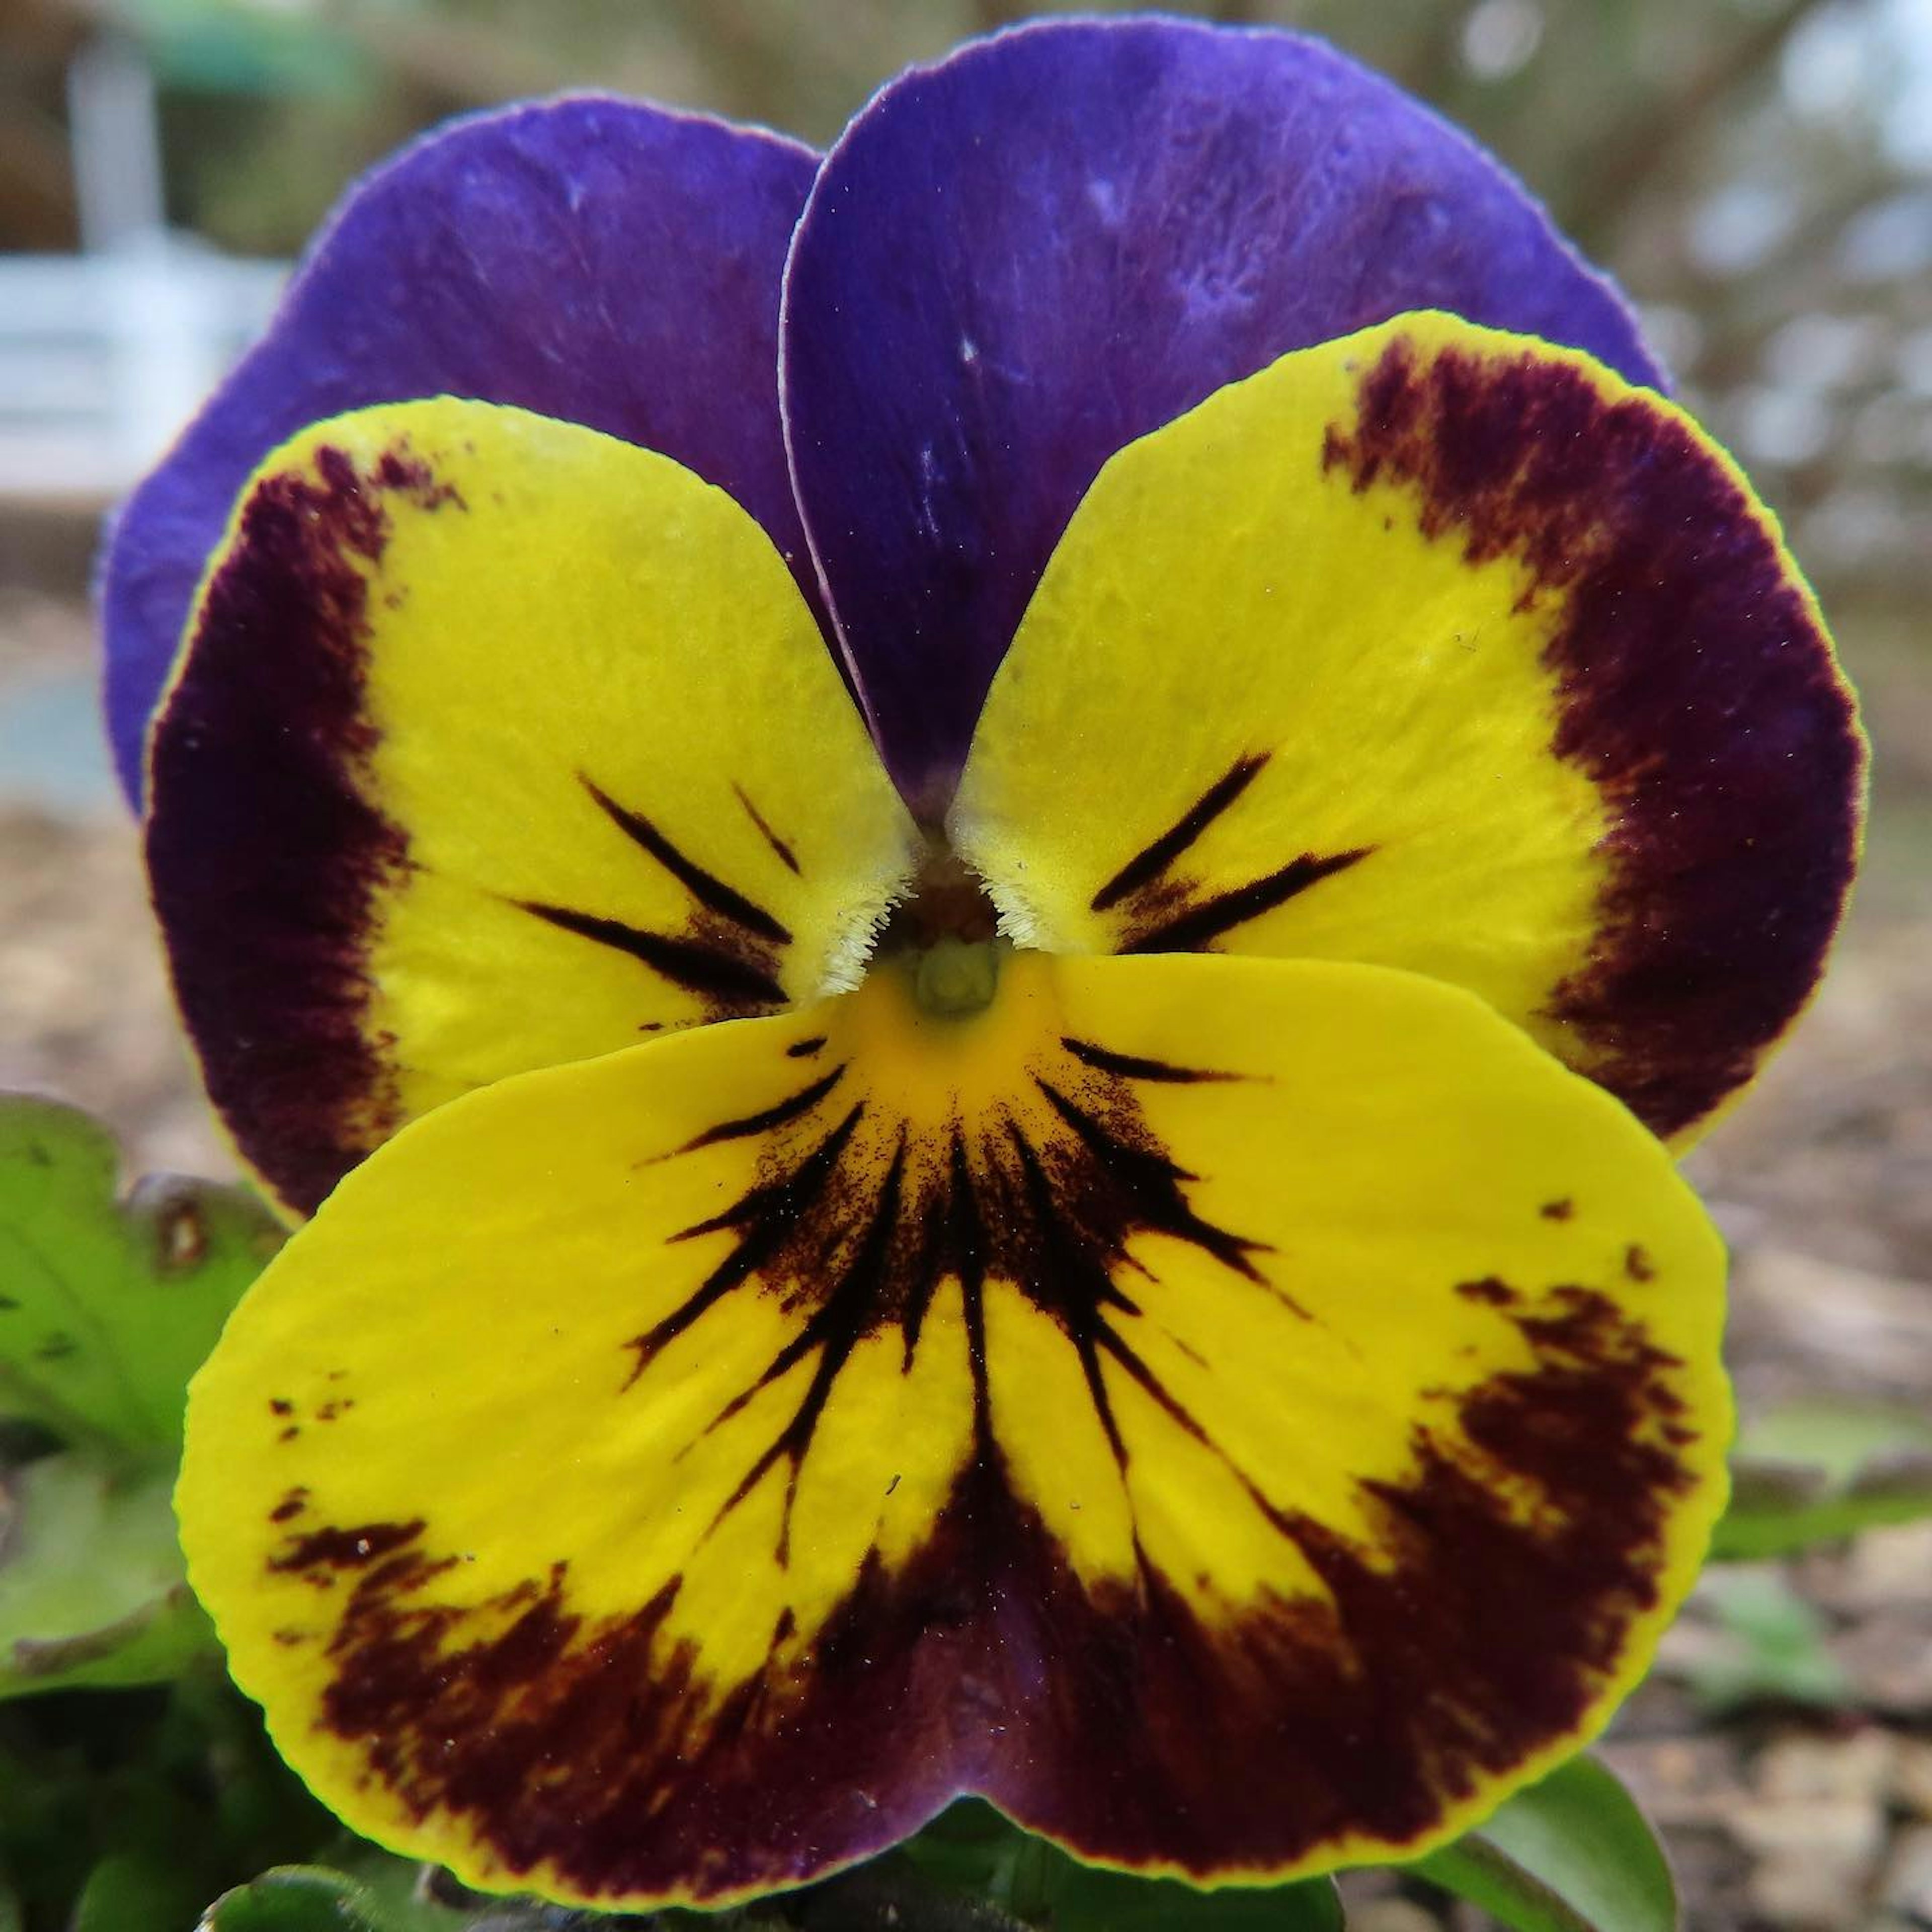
[[1010, 265]]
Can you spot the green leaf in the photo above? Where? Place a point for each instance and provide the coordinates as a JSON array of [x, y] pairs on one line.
[[1815, 1472], [1571, 1854], [91, 1587], [365, 1889], [298, 1898], [392, 1892], [1084, 1898], [107, 1307], [973, 1850]]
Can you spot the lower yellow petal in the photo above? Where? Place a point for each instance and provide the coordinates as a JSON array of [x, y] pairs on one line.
[[1239, 1416]]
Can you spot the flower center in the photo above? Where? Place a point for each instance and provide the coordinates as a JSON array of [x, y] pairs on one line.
[[945, 934]]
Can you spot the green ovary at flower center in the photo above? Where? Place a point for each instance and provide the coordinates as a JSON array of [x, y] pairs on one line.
[[956, 976], [944, 933]]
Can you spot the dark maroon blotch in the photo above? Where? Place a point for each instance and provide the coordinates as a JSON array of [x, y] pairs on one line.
[[1109, 1717], [1695, 689], [264, 854]]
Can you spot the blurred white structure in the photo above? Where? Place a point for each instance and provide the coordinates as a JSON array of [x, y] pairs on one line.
[[105, 355]]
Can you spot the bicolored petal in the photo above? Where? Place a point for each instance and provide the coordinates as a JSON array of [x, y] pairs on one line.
[[1438, 649], [498, 742], [673, 1476], [1016, 262], [596, 260]]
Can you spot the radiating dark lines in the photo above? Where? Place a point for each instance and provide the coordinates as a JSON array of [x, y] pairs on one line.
[[1164, 914], [1132, 1066], [1190, 929], [787, 856], [1147, 1186], [836, 1327], [857, 1234], [709, 971], [794, 1106], [954, 1239], [728, 956], [1152, 860], [1075, 1274], [763, 1220], [706, 888]]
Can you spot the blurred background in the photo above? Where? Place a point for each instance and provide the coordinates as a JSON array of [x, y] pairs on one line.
[[1758, 173]]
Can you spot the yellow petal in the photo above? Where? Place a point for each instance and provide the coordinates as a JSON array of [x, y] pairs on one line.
[[498, 743], [1441, 648], [1239, 1416]]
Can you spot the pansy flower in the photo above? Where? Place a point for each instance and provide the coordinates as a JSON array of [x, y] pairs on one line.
[[981, 883]]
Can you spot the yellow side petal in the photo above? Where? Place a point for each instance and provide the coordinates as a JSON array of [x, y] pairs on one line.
[[1437, 648], [674, 1475], [498, 743]]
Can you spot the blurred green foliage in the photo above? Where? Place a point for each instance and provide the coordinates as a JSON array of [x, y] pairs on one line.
[[1768, 1645], [1811, 1472]]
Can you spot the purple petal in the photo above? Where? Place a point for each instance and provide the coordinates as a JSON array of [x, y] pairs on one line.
[[1016, 262], [592, 259]]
